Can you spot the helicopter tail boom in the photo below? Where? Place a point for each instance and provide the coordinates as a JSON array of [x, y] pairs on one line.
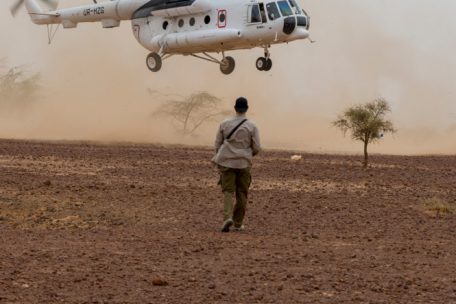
[[109, 13]]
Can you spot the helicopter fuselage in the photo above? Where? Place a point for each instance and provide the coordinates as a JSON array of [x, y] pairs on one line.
[[192, 27], [222, 25]]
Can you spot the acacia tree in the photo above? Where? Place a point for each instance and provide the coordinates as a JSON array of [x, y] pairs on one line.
[[366, 123], [192, 111], [17, 86]]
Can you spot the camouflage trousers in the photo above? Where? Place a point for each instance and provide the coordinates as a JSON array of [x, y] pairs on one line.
[[235, 186]]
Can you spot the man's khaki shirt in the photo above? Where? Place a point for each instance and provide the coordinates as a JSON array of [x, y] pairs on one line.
[[236, 152]]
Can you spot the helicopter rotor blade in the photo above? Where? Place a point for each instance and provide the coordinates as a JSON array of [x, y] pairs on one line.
[[15, 8], [51, 3]]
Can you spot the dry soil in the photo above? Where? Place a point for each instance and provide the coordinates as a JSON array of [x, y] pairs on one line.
[[121, 223]]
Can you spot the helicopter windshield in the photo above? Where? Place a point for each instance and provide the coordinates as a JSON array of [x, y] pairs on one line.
[[295, 6], [285, 8]]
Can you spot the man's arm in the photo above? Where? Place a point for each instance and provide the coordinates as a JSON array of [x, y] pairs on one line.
[[256, 146], [219, 139]]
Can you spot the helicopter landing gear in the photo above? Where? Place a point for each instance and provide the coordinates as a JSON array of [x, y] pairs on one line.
[[227, 63], [264, 63], [154, 62]]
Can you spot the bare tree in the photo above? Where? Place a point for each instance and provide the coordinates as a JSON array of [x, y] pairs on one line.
[[366, 123], [192, 111], [17, 86]]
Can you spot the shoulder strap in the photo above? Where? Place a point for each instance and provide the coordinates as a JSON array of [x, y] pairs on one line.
[[235, 128]]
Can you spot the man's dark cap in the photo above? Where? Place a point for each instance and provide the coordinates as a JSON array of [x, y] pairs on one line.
[[241, 105]]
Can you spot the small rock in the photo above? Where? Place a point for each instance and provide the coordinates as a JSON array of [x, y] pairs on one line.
[[159, 282], [211, 286], [296, 157], [47, 183]]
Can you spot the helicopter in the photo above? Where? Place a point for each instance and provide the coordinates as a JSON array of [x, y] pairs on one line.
[[198, 28]]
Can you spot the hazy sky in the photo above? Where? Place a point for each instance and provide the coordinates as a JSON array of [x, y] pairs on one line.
[[96, 79]]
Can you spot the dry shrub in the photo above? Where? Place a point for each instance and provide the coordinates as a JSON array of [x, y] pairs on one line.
[[439, 206]]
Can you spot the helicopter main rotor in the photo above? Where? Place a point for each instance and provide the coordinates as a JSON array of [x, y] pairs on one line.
[[51, 4]]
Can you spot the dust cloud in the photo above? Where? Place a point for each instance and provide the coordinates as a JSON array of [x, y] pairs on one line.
[[97, 85]]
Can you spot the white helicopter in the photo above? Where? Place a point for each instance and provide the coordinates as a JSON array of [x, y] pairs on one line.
[[188, 27]]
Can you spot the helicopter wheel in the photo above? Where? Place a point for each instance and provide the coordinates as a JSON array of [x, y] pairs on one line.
[[263, 64], [268, 65], [227, 65], [154, 62]]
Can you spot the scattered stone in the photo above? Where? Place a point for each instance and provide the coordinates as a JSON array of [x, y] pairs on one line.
[[211, 286], [47, 183], [296, 157], [159, 282]]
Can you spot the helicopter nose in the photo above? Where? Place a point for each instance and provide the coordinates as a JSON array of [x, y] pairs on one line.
[[300, 33], [296, 28]]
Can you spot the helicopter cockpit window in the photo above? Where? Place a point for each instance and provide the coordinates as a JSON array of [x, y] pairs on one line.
[[295, 7], [254, 14], [273, 11], [285, 8]]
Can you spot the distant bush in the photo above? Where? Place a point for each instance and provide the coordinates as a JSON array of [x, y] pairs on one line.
[[439, 206], [17, 86], [192, 111]]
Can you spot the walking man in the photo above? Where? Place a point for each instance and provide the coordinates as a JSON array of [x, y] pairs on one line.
[[236, 143]]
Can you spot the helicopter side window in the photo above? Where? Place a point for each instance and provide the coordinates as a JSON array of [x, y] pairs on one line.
[[285, 8], [254, 14], [273, 11]]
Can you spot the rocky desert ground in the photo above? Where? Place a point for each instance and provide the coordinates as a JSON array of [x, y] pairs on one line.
[[130, 223]]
